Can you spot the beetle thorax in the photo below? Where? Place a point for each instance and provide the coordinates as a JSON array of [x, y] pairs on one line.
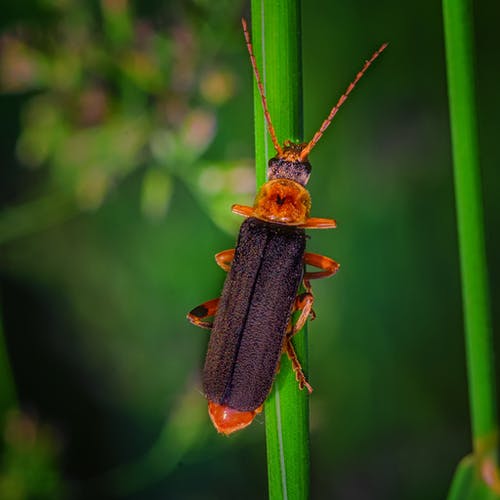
[[282, 201]]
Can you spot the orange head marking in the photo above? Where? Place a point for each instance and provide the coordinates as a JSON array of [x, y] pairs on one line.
[[228, 420], [292, 151], [282, 201]]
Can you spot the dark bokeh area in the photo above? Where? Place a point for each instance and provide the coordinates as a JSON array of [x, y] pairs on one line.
[[126, 135]]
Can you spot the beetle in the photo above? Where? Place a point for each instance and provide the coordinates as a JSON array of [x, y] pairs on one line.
[[252, 324]]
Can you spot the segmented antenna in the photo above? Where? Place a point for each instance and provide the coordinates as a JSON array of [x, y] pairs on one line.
[[267, 116], [317, 136]]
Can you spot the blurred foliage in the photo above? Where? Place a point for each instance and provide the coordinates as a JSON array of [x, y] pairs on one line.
[[28, 467], [123, 147], [111, 94]]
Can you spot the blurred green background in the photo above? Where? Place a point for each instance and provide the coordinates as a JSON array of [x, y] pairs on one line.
[[126, 134]]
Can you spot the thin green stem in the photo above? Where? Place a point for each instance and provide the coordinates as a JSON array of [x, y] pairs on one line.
[[277, 47], [458, 24]]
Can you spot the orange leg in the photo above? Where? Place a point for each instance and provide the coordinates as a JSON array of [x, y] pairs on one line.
[[328, 266], [242, 210], [225, 258], [297, 368], [303, 303], [200, 313], [318, 223], [209, 308]]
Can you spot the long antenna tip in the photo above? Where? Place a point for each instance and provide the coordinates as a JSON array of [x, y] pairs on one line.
[[317, 136]]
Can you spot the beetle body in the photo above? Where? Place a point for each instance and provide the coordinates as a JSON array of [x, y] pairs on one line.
[[248, 332], [252, 327]]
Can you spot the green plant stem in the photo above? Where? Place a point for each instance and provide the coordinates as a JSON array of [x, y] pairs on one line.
[[459, 57], [277, 46]]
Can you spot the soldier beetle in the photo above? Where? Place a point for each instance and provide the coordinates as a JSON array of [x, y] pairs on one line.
[[252, 324]]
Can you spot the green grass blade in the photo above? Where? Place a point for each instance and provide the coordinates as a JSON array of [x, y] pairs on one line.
[[277, 46], [459, 58], [276, 40]]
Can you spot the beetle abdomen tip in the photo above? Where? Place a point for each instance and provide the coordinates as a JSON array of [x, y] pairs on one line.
[[228, 420]]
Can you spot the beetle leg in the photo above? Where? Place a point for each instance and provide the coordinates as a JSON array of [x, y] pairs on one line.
[[328, 266], [242, 210], [203, 311], [225, 258], [303, 303], [297, 368], [319, 223]]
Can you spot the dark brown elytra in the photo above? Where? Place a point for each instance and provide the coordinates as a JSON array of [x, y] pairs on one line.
[[252, 319], [254, 310]]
